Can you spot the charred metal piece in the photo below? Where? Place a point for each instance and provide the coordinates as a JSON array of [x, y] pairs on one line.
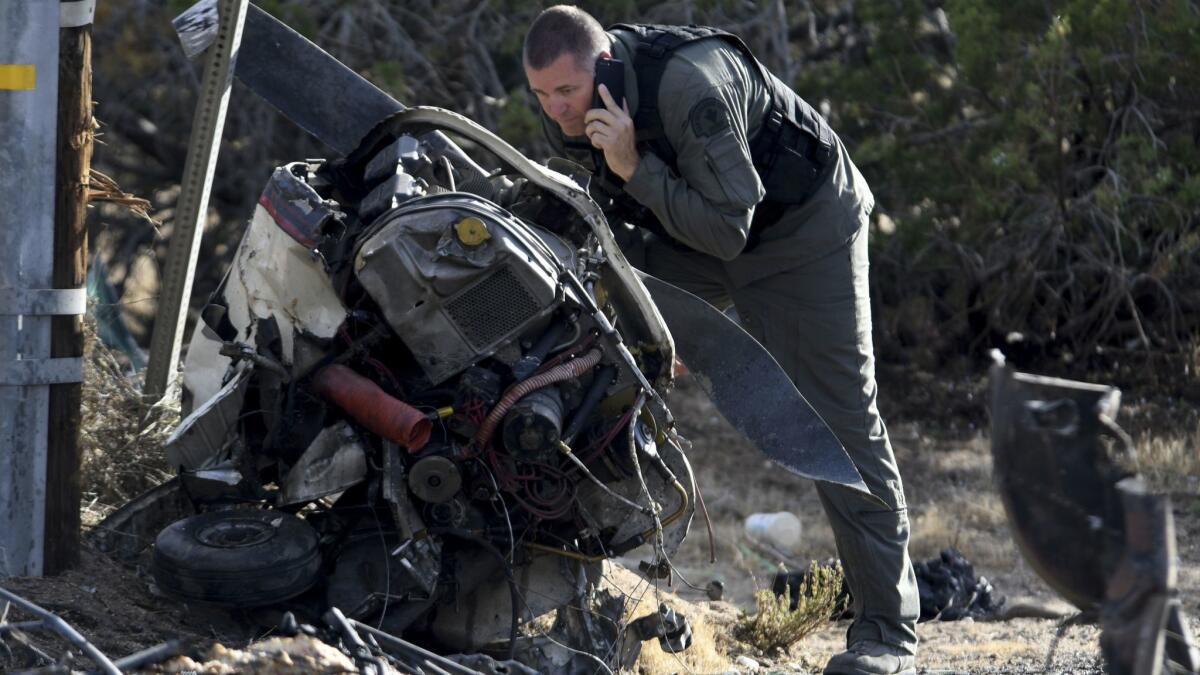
[[410, 652], [1084, 523], [367, 662], [584, 640], [1056, 478], [333, 462], [486, 665], [672, 629], [1141, 617]]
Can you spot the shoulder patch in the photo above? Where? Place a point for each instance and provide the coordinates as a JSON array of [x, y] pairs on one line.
[[709, 117]]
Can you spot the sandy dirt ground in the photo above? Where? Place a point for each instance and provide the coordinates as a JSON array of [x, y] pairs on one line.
[[948, 484]]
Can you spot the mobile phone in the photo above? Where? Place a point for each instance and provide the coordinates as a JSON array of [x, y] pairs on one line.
[[610, 73]]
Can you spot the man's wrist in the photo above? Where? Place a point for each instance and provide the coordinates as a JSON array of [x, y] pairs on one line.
[[630, 170], [640, 184]]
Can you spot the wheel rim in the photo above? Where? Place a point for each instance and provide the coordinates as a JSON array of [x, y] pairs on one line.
[[237, 533]]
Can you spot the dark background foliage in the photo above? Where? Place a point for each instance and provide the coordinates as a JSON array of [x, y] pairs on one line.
[[1036, 164]]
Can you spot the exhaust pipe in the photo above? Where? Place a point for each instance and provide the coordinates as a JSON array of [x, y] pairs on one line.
[[372, 407]]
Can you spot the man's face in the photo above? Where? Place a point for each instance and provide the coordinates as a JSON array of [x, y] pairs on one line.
[[564, 91]]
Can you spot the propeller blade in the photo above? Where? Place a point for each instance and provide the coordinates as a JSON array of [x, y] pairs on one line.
[[750, 389]]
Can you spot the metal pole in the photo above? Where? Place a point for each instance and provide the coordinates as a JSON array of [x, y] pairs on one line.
[[192, 206], [28, 100]]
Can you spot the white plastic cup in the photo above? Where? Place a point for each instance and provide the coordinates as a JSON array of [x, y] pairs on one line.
[[781, 530]]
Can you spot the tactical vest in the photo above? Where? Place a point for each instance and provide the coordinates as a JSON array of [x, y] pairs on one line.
[[793, 146]]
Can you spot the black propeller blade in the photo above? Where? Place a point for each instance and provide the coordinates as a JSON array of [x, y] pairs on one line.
[[750, 388]]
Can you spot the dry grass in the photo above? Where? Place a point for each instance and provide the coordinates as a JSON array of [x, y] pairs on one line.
[[121, 444], [775, 627], [974, 523], [1171, 463]]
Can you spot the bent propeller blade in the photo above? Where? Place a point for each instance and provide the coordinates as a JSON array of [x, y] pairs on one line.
[[304, 82], [750, 388]]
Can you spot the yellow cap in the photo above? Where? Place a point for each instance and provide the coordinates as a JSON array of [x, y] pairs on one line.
[[472, 231]]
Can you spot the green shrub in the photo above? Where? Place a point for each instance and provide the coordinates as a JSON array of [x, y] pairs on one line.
[[775, 627]]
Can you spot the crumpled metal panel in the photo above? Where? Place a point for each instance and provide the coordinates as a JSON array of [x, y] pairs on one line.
[[273, 276], [333, 462], [1057, 478], [197, 440], [295, 205]]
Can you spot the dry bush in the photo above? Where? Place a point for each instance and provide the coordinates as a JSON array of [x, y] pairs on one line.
[[775, 627], [121, 443]]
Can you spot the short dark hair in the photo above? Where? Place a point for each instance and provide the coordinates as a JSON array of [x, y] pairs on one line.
[[564, 29]]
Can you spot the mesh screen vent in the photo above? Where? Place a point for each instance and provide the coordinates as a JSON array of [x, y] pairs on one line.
[[493, 308]]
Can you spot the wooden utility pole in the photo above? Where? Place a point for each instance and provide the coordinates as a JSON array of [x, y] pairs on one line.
[[74, 161]]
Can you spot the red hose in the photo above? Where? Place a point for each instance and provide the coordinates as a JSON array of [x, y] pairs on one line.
[[372, 407], [566, 371]]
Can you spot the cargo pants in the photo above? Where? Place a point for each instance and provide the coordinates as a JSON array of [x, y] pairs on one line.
[[815, 320]]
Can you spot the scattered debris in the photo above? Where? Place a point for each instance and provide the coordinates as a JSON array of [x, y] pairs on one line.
[[780, 531], [747, 663], [715, 590], [948, 588]]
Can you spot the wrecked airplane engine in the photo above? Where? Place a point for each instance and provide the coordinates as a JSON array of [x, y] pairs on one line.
[[424, 394]]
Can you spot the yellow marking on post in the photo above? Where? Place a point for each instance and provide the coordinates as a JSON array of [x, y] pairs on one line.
[[17, 76]]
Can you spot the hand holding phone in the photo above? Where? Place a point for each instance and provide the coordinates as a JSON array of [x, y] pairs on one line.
[[610, 73], [611, 131]]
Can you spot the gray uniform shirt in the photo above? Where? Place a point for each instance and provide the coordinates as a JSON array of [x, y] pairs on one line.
[[711, 102]]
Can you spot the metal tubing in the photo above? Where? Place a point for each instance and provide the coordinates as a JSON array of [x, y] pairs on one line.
[[435, 660], [156, 654], [56, 624]]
